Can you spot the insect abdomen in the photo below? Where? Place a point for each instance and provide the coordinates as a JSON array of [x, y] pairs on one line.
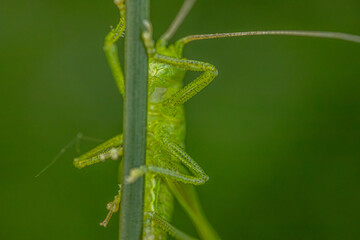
[[158, 199]]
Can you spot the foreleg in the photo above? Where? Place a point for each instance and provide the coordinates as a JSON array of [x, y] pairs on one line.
[[190, 90], [194, 87]]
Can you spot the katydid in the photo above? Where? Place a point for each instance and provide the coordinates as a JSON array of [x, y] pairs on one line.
[[169, 172]]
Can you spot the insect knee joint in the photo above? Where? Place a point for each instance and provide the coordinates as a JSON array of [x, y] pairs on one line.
[[212, 69]]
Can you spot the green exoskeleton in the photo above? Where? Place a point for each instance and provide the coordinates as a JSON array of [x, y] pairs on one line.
[[169, 171]]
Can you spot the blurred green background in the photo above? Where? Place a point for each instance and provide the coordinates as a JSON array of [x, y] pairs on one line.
[[277, 131]]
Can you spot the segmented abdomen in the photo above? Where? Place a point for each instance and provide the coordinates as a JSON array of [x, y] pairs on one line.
[[158, 198]]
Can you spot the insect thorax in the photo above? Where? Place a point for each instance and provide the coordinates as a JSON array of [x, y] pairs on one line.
[[164, 79]]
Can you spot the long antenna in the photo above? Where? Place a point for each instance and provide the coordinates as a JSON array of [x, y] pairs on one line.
[[318, 34], [75, 141], [184, 10]]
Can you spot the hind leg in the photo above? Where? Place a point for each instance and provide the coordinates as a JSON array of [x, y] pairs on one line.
[[164, 225], [199, 176]]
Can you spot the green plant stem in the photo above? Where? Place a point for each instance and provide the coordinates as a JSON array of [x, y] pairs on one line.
[[135, 106]]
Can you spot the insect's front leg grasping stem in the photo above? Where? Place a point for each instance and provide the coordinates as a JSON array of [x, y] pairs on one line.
[[194, 87], [190, 90]]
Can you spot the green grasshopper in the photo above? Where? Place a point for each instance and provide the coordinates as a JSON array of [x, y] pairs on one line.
[[169, 171]]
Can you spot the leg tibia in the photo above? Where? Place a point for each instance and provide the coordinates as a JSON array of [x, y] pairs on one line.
[[112, 148], [179, 153]]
